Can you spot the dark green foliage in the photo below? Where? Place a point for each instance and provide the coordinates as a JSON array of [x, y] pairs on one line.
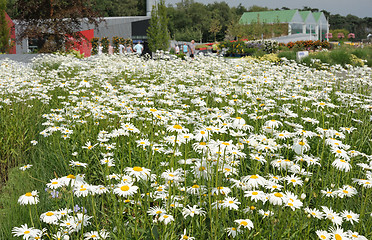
[[95, 43], [158, 35], [105, 44], [4, 29]]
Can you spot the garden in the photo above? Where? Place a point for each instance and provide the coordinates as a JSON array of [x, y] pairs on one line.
[[321, 53], [121, 147]]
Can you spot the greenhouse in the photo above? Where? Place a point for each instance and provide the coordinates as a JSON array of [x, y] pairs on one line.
[[299, 22]]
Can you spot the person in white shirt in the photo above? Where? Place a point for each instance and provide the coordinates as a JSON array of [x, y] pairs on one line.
[[121, 47], [100, 48], [138, 48]]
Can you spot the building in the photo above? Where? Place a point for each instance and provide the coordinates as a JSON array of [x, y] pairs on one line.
[[302, 25]]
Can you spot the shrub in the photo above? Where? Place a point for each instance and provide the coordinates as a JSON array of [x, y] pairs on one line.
[[95, 45], [340, 56], [105, 43], [290, 55]]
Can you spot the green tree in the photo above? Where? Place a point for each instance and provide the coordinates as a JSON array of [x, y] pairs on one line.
[[4, 29], [215, 27], [158, 34]]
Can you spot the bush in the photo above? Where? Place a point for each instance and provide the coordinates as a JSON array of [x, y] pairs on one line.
[[290, 55], [340, 56]]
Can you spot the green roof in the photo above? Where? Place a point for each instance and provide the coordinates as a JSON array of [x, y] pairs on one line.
[[304, 14], [283, 16], [317, 15]]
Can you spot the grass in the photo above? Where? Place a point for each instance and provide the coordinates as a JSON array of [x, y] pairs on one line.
[[132, 109]]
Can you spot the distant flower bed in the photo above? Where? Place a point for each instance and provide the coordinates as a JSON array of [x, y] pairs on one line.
[[308, 45], [247, 48]]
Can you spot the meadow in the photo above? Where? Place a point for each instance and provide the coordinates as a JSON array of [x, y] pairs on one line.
[[119, 147]]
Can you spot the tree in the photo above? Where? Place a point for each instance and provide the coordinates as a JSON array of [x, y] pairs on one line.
[[256, 8], [116, 8], [157, 32], [51, 21], [215, 27], [4, 29]]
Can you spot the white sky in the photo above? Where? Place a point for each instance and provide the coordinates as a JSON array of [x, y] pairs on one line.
[[360, 8]]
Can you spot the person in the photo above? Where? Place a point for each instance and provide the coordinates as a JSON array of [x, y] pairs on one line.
[[110, 49], [215, 47], [177, 49], [121, 47], [138, 48], [185, 49], [192, 49], [129, 48], [100, 48]]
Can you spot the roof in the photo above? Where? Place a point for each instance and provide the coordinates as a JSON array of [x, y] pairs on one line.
[[307, 17], [317, 15], [283, 16], [304, 14]]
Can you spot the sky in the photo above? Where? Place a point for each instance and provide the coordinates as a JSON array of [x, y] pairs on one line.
[[360, 8]]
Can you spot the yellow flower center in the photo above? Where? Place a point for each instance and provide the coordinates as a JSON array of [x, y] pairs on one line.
[[244, 223], [231, 202], [202, 132], [137, 169], [158, 212], [49, 214], [301, 143], [278, 195], [201, 168], [71, 176], [254, 193], [254, 177], [323, 237], [195, 186], [349, 216], [124, 188], [202, 143], [165, 216], [177, 126], [28, 194], [26, 232], [338, 237]]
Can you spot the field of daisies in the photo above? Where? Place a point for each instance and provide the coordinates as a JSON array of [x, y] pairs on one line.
[[120, 147]]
